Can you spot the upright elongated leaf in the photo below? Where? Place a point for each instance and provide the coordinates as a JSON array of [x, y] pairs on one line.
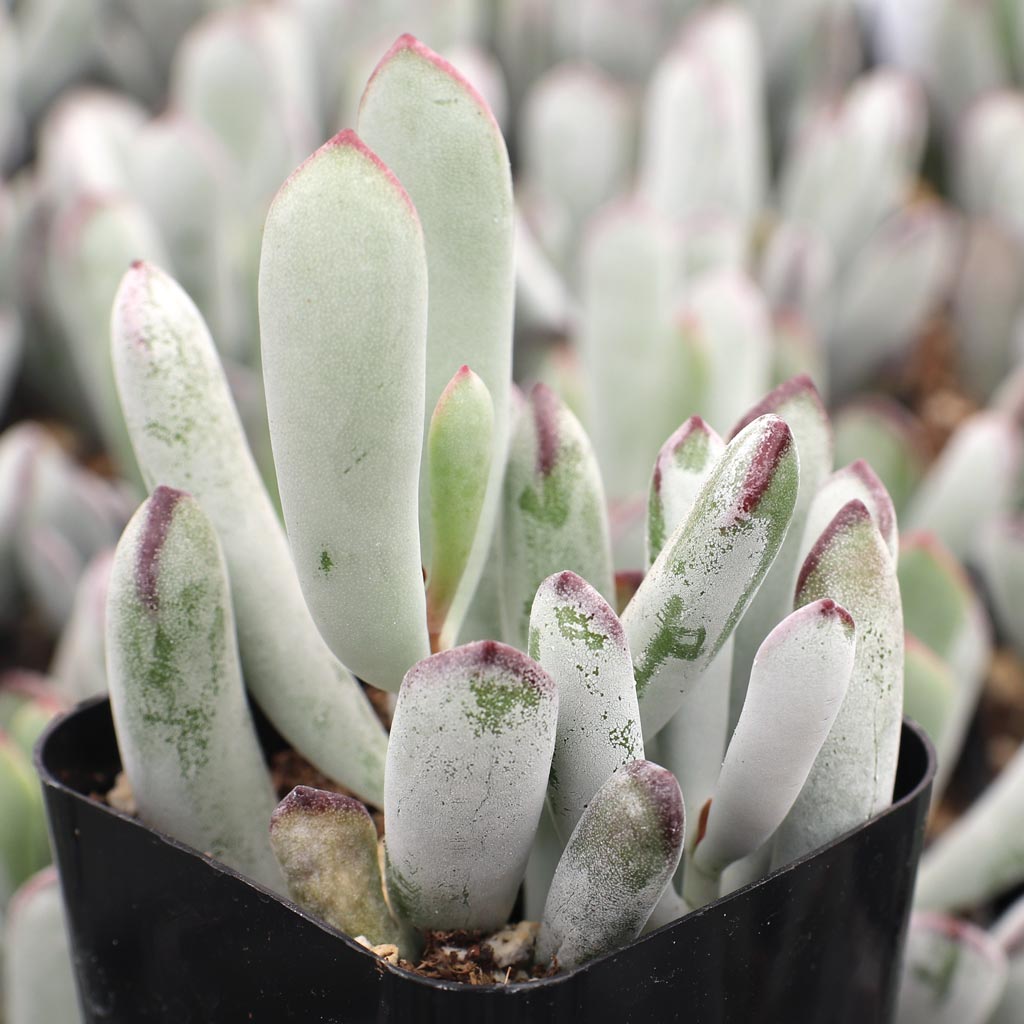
[[942, 609], [615, 868], [857, 480], [183, 727], [554, 516], [797, 684], [683, 464], [577, 638], [345, 330], [187, 434], [853, 775], [1008, 931], [326, 845], [23, 843], [435, 131], [38, 977], [706, 575], [798, 404], [1001, 560], [459, 453], [471, 745], [929, 689], [970, 484]]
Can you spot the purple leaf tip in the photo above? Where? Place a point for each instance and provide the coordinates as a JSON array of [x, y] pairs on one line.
[[801, 384], [308, 800], [159, 510], [546, 408], [851, 514], [773, 447]]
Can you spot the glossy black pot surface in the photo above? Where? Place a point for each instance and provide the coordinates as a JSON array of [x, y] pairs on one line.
[[161, 933]]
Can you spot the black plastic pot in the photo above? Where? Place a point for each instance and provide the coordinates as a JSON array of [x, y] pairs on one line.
[[161, 933]]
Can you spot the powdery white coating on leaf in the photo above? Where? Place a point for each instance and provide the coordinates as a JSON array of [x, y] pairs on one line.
[[953, 973], [615, 868], [468, 760], [707, 573], [797, 403], [436, 132], [343, 304], [1001, 560], [970, 484], [577, 638], [682, 466], [183, 726], [857, 480], [797, 685], [554, 515], [187, 435], [982, 854], [326, 844], [853, 775], [459, 451]]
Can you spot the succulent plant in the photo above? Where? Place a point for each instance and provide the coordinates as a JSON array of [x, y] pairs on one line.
[[536, 738]]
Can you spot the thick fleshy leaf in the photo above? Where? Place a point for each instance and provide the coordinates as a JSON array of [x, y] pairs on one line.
[[326, 845], [246, 75], [1008, 931], [24, 847], [797, 685], [853, 775], [1001, 560], [683, 464], [942, 609], [971, 484], [982, 853], [629, 343], [888, 438], [349, 501], [459, 452], [577, 638], [798, 404], [857, 480], [554, 516], [797, 275], [183, 727], [854, 165], [615, 868], [435, 131], [471, 745], [895, 281], [79, 661], [929, 688], [988, 299], [704, 145], [953, 973], [577, 150], [187, 434], [92, 246], [38, 977], [725, 319], [703, 580]]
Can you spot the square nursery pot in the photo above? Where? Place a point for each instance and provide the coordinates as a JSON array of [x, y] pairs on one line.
[[161, 933]]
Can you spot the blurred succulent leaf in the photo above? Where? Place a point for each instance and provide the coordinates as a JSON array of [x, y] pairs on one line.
[[953, 973], [1008, 931], [471, 745], [929, 688], [970, 484], [577, 638], [38, 976], [24, 847], [1001, 561], [616, 866], [797, 274], [187, 434]]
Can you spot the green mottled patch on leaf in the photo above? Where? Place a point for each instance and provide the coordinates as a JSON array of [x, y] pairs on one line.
[[533, 646], [674, 639], [574, 625], [496, 702], [326, 562], [550, 506], [624, 737], [404, 894], [940, 977], [693, 453], [655, 523]]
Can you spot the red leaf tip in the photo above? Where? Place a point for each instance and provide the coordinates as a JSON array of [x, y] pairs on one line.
[[159, 511], [851, 514]]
